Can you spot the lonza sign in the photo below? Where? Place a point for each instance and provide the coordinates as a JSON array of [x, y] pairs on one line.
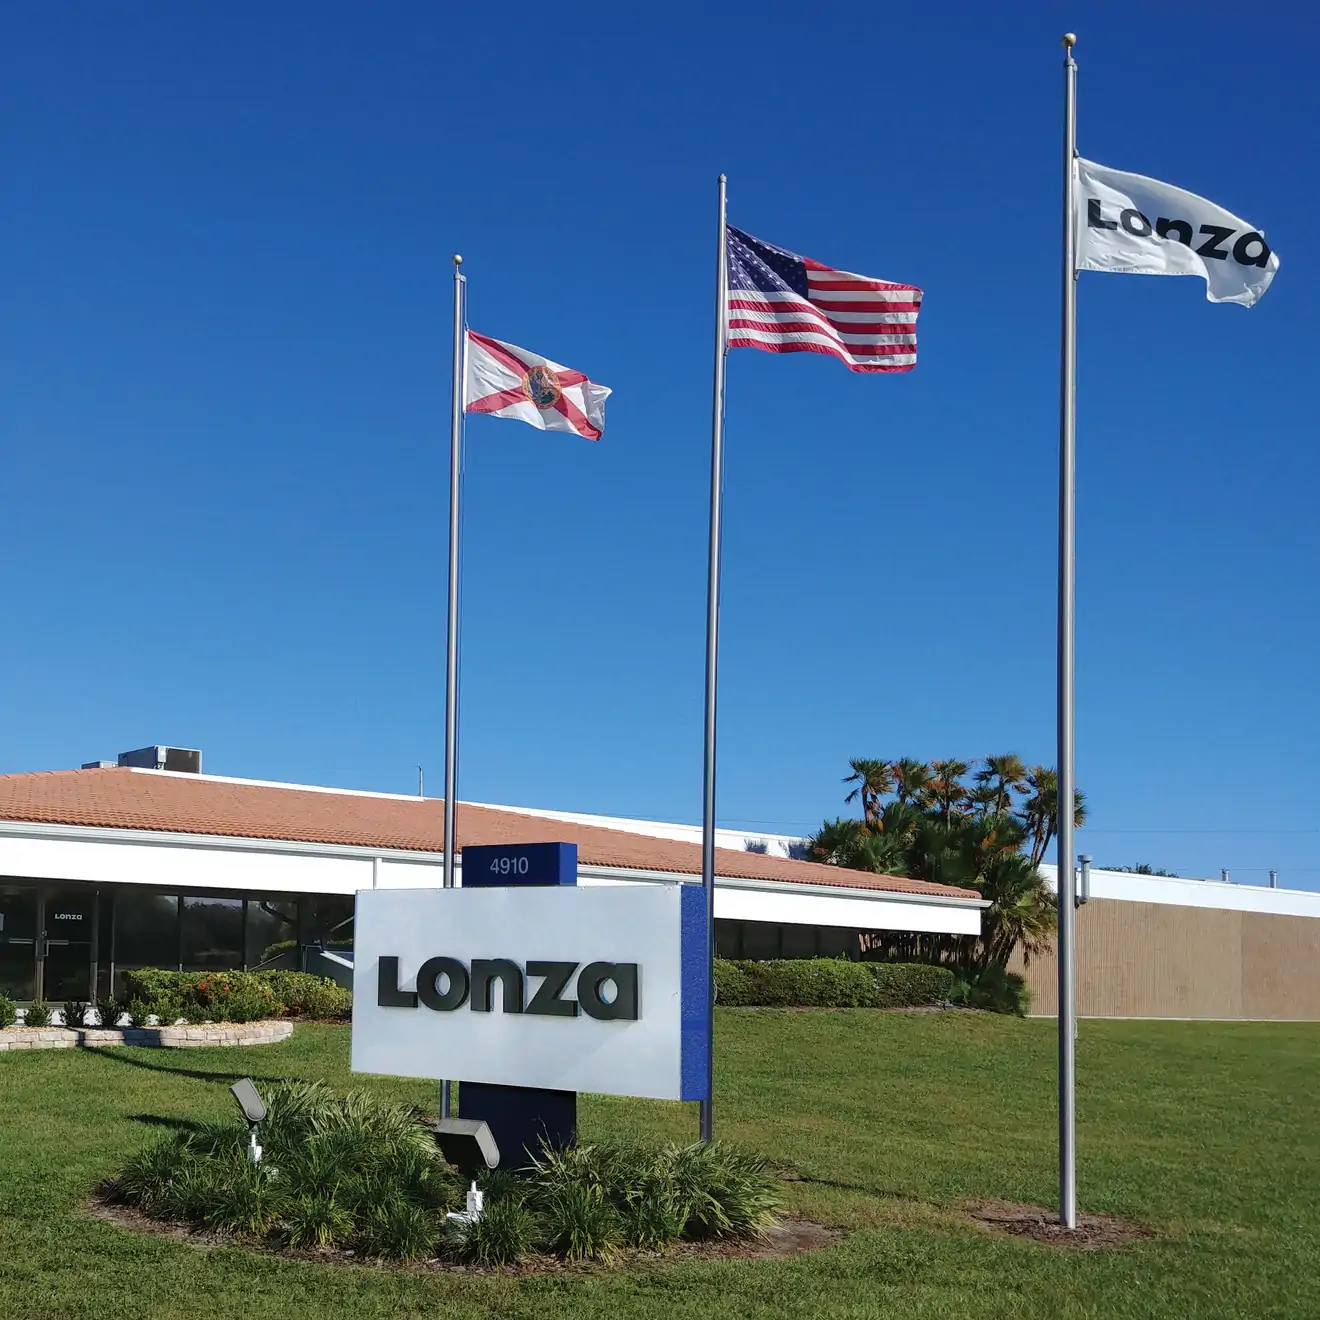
[[507, 986]]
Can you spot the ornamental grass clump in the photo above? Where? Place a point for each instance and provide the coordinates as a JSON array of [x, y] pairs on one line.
[[348, 1171], [357, 1173]]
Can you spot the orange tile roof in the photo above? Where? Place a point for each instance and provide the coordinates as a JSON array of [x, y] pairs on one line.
[[194, 804]]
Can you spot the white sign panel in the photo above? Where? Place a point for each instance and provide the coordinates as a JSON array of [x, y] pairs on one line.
[[596, 989]]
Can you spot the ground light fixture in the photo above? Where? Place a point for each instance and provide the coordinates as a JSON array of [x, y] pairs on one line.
[[254, 1110], [469, 1145]]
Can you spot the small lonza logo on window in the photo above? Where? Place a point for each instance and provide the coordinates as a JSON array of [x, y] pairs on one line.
[[607, 991]]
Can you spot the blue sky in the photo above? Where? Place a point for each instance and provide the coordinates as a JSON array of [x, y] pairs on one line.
[[224, 365]]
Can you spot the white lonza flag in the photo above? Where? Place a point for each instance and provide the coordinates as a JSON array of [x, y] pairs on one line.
[[1133, 225], [511, 382]]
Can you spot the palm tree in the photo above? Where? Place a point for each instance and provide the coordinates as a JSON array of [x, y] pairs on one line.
[[910, 779], [945, 788], [835, 841], [1005, 775], [1022, 911], [848, 843], [873, 779], [1040, 812]]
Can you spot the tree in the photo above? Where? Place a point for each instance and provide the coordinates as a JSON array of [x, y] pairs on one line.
[[1041, 810], [910, 779], [873, 779], [990, 837], [945, 788], [850, 844], [1002, 776]]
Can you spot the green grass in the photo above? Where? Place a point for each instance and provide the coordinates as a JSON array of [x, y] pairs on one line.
[[1206, 1132]]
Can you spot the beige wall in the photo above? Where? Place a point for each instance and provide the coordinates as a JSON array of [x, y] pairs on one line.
[[1158, 960]]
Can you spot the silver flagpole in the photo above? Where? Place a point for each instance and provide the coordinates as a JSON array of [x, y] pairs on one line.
[[451, 632], [712, 657], [1067, 881]]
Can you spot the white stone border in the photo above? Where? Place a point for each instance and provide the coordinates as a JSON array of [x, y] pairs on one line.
[[170, 1038]]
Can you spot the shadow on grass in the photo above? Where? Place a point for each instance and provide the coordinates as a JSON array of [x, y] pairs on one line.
[[866, 1189], [165, 1121], [120, 1057]]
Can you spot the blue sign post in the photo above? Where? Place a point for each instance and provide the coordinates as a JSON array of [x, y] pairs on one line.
[[521, 1118]]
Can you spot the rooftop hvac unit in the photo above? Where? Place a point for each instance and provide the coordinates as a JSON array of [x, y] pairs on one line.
[[185, 759]]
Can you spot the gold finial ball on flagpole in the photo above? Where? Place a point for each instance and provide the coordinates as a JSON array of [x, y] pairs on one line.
[[1070, 39], [458, 261]]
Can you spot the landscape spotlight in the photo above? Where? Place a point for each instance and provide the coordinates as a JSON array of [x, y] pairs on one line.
[[469, 1145], [254, 1110]]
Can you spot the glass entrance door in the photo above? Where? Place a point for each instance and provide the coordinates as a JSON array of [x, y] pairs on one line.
[[18, 941], [64, 953]]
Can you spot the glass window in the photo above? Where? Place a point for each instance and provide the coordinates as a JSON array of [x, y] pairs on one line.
[[328, 920], [761, 940], [798, 942], [212, 933], [836, 942], [146, 931], [272, 934], [728, 939], [18, 941]]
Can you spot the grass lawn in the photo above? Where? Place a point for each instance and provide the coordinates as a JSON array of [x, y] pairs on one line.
[[1206, 1132]]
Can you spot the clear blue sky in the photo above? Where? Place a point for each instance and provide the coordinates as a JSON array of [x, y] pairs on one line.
[[224, 369]]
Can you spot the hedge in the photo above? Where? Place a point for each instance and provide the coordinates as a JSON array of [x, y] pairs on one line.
[[235, 996], [829, 983]]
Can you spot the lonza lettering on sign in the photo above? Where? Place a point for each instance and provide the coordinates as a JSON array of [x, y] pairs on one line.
[[1215, 242], [476, 987]]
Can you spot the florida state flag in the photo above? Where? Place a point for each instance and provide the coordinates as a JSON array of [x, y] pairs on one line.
[[511, 382]]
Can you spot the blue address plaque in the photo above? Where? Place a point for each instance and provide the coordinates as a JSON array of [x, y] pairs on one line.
[[486, 865]]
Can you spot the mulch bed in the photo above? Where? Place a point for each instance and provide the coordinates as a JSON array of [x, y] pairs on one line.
[[790, 1237], [1093, 1232]]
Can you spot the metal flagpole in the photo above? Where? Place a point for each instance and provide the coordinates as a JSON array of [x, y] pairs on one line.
[[712, 652], [1067, 880], [451, 632]]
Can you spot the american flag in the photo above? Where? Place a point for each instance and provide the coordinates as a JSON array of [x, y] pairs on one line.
[[782, 303]]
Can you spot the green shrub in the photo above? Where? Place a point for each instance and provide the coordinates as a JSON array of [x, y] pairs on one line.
[[8, 1011], [138, 1012], [73, 1012], [910, 985], [168, 1009], [293, 990], [37, 1015], [238, 996], [733, 986], [506, 1231], [992, 988], [108, 1012], [251, 1003], [330, 1002], [829, 983]]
